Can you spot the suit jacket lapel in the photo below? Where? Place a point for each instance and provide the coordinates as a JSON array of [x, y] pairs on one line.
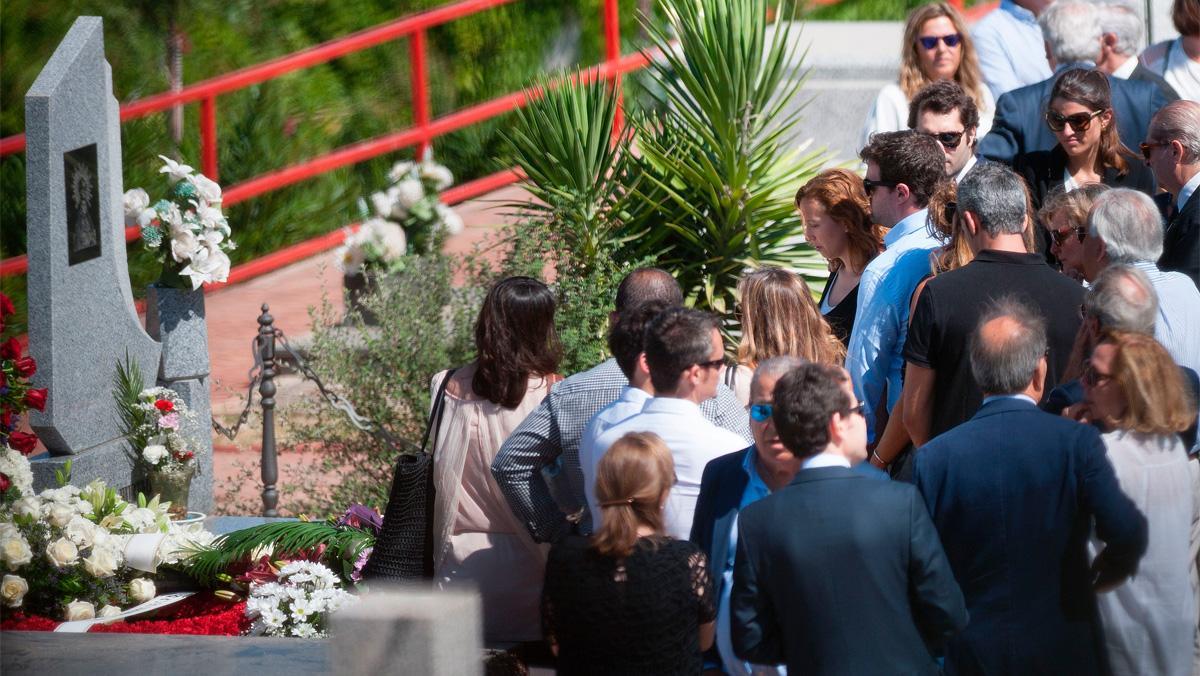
[[728, 500]]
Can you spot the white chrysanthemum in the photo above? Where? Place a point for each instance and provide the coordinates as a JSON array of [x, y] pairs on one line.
[[438, 174], [16, 466], [408, 192], [388, 237], [81, 531], [175, 171], [154, 454], [29, 506], [140, 519], [304, 630]]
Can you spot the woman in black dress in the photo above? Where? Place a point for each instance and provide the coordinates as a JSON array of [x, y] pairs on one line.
[[837, 222], [631, 600], [1089, 150]]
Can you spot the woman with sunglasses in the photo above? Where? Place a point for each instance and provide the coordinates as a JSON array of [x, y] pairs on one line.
[[837, 223], [1080, 115], [1135, 392], [1064, 216], [778, 317], [936, 47]]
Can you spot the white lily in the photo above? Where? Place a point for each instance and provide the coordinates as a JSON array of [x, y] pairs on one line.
[[175, 171]]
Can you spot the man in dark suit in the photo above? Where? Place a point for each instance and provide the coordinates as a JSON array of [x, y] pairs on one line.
[[1172, 149], [836, 573], [1121, 29], [1073, 37], [1013, 492]]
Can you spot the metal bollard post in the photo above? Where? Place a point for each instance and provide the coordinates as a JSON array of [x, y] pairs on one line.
[[270, 470]]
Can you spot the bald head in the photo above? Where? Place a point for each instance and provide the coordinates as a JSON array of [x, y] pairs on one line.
[[647, 284], [1007, 348]]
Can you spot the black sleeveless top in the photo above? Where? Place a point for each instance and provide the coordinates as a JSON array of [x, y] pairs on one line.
[[841, 316], [638, 616]]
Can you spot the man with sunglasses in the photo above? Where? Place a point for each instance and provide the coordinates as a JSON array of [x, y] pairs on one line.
[[684, 353], [944, 112], [1172, 149], [1014, 492], [903, 170], [1073, 35]]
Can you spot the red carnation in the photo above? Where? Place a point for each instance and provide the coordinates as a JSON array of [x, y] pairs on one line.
[[36, 399], [164, 405], [22, 442], [5, 483], [10, 349], [6, 420], [6, 306], [26, 367]]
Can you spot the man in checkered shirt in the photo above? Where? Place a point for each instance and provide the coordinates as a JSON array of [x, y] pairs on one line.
[[537, 468]]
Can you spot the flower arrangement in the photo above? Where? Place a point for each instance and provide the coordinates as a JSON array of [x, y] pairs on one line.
[[298, 602], [186, 229], [16, 394], [409, 218], [152, 419], [63, 552]]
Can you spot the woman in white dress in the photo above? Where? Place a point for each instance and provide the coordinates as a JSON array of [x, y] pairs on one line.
[[937, 46], [1178, 60], [1135, 391], [478, 542]]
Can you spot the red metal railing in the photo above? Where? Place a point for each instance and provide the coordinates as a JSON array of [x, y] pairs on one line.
[[420, 135]]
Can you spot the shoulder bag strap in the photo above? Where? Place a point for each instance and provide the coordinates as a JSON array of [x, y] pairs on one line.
[[435, 413]]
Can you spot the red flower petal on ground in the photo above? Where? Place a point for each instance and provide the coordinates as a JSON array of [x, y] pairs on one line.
[[164, 405], [26, 366], [22, 443], [36, 399], [5, 483], [10, 349]]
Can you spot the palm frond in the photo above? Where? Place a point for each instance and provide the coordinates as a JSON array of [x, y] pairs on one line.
[[286, 537]]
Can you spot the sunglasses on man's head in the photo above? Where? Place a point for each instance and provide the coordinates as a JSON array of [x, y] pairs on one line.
[[870, 185], [761, 412], [948, 139], [1079, 121], [931, 41]]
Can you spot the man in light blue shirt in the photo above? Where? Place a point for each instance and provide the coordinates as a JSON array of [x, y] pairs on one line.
[[1009, 43], [903, 169]]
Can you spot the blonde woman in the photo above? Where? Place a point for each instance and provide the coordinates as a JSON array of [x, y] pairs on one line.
[[936, 46], [778, 318], [1064, 217], [631, 600], [1134, 390]]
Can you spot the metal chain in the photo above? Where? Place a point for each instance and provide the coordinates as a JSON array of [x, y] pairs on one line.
[[255, 375]]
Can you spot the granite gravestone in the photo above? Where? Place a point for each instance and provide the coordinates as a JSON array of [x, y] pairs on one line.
[[82, 320]]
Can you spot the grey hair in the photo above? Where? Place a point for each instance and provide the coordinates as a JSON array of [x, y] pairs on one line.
[[996, 196], [1123, 299], [1123, 19], [1129, 224], [1179, 121], [1072, 29], [775, 366], [1006, 366]]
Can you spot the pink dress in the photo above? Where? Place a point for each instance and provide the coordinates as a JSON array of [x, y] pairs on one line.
[[478, 542]]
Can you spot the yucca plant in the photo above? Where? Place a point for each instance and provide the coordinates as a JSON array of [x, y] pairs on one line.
[[721, 158]]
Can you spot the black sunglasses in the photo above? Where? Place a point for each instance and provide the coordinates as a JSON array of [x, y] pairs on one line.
[[714, 363], [858, 409], [1079, 121], [948, 139], [931, 41], [1061, 236], [1147, 147], [870, 185]]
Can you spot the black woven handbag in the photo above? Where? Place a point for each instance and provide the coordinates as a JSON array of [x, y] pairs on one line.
[[404, 547]]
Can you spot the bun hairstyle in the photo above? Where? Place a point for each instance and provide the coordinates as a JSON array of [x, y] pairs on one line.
[[632, 480]]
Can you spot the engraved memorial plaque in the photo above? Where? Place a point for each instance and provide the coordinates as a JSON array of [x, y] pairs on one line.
[[83, 204]]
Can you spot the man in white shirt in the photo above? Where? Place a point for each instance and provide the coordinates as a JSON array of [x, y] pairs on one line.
[[625, 344], [684, 354]]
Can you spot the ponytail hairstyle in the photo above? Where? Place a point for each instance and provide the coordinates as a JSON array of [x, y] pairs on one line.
[[632, 480], [514, 339], [1090, 89]]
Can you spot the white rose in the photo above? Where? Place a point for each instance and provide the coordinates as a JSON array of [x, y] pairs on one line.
[[108, 611], [8, 530], [183, 244], [209, 190], [154, 454], [80, 610], [16, 552], [101, 563], [388, 236], [60, 515], [62, 552], [81, 531], [30, 507], [141, 590], [409, 192], [135, 201], [12, 590]]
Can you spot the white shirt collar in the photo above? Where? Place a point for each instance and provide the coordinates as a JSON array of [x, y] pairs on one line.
[[1186, 191], [971, 162], [825, 459], [1126, 69], [671, 405], [634, 395], [997, 397]]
